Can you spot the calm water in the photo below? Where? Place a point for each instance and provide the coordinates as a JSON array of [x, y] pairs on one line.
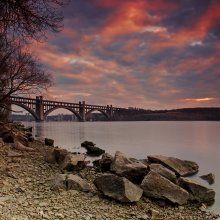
[[197, 141]]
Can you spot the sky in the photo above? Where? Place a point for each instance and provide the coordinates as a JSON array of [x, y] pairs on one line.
[[152, 54]]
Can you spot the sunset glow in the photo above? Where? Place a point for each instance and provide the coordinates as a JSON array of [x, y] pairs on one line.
[[149, 54]]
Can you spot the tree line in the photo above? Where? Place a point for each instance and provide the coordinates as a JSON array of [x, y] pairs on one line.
[[21, 22]]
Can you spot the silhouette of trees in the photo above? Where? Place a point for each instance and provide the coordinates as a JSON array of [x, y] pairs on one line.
[[20, 22], [30, 19], [20, 72]]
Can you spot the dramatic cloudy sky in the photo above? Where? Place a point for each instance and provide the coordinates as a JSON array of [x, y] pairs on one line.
[[153, 54]]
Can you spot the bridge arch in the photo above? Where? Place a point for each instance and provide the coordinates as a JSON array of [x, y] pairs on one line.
[[32, 112], [96, 109], [58, 107]]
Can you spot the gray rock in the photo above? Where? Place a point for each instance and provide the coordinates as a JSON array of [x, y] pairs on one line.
[[60, 154], [134, 171], [58, 181], [210, 178], [73, 162], [180, 167], [77, 183], [14, 154], [8, 137], [197, 191], [91, 149], [50, 156], [49, 142], [163, 171], [104, 164], [118, 188], [157, 186]]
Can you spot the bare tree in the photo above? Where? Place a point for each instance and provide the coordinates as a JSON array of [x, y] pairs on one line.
[[20, 22], [30, 19], [20, 73]]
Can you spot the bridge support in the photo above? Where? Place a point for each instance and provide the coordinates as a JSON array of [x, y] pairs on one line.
[[110, 112], [82, 110], [39, 108]]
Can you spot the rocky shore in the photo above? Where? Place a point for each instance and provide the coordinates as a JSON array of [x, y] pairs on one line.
[[39, 181]]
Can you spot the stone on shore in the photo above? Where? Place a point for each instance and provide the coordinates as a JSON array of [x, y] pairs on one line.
[[210, 178], [58, 181], [49, 142], [134, 171], [118, 188], [163, 171], [159, 187], [94, 151], [60, 154], [77, 183], [180, 167], [197, 191], [91, 149], [104, 164], [8, 137], [73, 162]]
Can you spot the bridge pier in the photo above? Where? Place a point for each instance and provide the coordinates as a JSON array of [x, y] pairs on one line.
[[82, 110], [39, 108], [110, 112]]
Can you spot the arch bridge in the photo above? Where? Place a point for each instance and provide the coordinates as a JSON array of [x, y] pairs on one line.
[[40, 108]]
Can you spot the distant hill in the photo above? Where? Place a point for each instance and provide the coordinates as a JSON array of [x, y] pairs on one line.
[[184, 114]]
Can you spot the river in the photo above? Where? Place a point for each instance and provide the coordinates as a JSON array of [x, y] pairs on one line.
[[197, 141]]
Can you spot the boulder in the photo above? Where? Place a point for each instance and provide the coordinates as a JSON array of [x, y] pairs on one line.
[[77, 183], [180, 167], [87, 143], [19, 146], [29, 129], [197, 191], [104, 164], [58, 181], [159, 187], [91, 149], [163, 171], [8, 137], [31, 139], [118, 188], [134, 171], [48, 141], [73, 162], [94, 151], [210, 178], [60, 154], [49, 156]]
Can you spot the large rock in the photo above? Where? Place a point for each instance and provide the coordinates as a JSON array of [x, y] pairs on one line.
[[163, 171], [77, 183], [104, 164], [180, 167], [49, 142], [60, 154], [94, 151], [134, 171], [58, 181], [210, 178], [87, 143], [73, 162], [8, 137], [91, 149], [197, 191], [118, 188], [159, 187]]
